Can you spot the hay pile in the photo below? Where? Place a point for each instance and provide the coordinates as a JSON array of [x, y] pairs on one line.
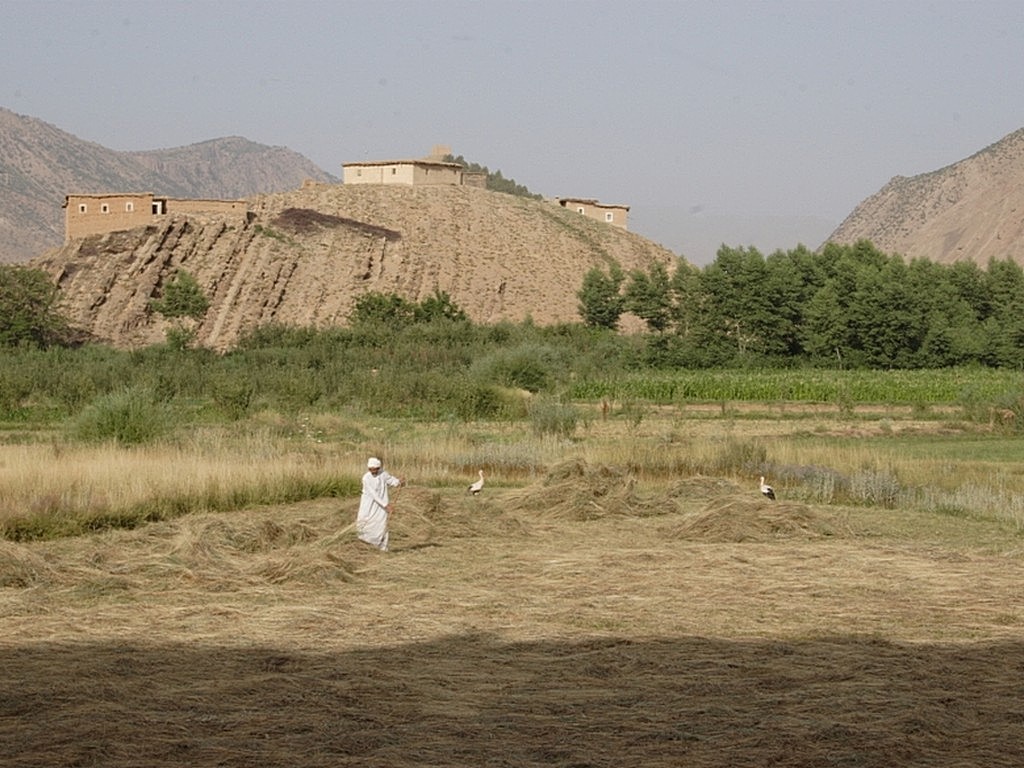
[[575, 490], [702, 487], [226, 552], [20, 566], [735, 518]]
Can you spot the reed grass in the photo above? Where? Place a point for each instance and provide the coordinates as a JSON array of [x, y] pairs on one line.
[[56, 488]]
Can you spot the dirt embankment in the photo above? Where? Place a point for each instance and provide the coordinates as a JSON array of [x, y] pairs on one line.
[[303, 258]]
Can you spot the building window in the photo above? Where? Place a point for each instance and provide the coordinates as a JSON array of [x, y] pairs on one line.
[[394, 171], [609, 216], [359, 171], [129, 207], [104, 208], [581, 210], [82, 208]]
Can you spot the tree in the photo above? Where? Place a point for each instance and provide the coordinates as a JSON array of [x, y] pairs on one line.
[[1006, 324], [737, 307], [649, 296], [824, 334], [387, 308], [28, 309], [600, 305], [687, 298], [495, 181], [183, 300], [438, 307]]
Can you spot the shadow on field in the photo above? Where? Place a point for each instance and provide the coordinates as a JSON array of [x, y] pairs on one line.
[[472, 701]]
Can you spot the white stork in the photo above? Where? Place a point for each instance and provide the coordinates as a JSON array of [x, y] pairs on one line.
[[767, 490], [476, 487]]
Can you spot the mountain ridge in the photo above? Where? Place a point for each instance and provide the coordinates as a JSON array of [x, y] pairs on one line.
[[40, 164], [970, 210]]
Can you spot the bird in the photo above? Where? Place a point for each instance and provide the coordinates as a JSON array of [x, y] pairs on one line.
[[478, 485], [767, 490]]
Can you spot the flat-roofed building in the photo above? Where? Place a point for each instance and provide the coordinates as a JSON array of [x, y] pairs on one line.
[[617, 215], [410, 172], [97, 214]]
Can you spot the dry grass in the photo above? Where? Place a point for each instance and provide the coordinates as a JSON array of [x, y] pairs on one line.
[[589, 618], [90, 479]]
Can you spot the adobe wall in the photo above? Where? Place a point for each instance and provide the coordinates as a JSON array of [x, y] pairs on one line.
[[402, 172], [437, 174], [175, 205], [97, 214], [616, 215], [86, 215]]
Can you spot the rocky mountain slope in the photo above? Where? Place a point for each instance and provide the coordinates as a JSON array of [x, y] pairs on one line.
[[40, 164], [303, 257], [972, 210]]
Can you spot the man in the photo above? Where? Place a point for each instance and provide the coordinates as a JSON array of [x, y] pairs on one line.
[[375, 505]]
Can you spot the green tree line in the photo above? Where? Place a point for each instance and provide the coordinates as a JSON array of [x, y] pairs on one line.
[[495, 181], [849, 306], [421, 359]]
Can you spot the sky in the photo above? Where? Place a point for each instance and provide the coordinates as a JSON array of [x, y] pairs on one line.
[[749, 124]]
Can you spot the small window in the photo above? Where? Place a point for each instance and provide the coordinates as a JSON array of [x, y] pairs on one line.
[[129, 207], [581, 209], [394, 171], [609, 216], [104, 208], [82, 208], [359, 171]]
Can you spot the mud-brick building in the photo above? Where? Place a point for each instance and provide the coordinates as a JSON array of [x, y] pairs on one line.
[[411, 172], [617, 215], [430, 170], [98, 214]]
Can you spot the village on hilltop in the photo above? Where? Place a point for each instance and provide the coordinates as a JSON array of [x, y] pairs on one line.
[[97, 214]]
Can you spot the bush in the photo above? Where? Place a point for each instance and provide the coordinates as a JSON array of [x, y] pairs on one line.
[[127, 417], [550, 417], [29, 315], [738, 457], [530, 366]]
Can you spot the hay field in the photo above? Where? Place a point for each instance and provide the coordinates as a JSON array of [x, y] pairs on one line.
[[587, 617]]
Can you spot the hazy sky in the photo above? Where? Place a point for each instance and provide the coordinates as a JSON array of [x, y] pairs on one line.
[[745, 123]]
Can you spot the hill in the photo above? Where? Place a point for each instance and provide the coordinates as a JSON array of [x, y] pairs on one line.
[[303, 257], [40, 164], [967, 211]]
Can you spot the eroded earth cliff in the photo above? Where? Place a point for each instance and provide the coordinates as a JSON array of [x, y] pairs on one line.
[[302, 258]]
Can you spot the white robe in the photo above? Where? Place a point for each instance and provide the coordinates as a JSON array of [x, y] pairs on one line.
[[372, 520]]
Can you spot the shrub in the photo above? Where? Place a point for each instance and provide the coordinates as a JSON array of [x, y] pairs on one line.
[[128, 417], [529, 366], [874, 487], [182, 297], [738, 457], [550, 417], [29, 313]]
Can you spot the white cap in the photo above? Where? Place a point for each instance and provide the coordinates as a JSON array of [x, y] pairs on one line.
[[373, 463]]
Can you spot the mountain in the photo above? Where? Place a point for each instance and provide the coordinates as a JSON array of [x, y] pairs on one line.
[[303, 257], [972, 210], [40, 164]]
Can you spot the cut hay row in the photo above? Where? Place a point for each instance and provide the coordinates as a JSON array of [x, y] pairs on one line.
[[222, 549]]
